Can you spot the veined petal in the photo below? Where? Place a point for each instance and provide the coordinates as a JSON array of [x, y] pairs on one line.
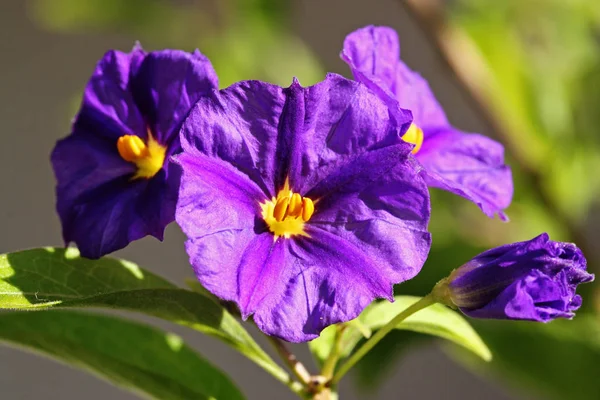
[[335, 141], [238, 126], [106, 219], [99, 206], [325, 126], [217, 209], [301, 134], [374, 200], [373, 54], [534, 280], [83, 163], [108, 108], [166, 85], [323, 280], [262, 271], [469, 165]]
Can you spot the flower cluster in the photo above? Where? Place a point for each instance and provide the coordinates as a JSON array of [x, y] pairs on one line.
[[301, 204]]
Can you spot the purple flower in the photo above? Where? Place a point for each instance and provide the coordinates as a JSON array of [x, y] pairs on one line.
[[301, 205], [469, 165], [115, 183], [534, 280]]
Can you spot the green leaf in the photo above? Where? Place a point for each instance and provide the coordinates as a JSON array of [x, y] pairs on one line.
[[321, 346], [131, 355], [195, 286], [189, 309], [436, 320], [59, 278], [43, 277]]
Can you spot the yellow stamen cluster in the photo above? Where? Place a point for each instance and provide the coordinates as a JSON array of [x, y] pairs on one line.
[[286, 214], [293, 207], [148, 157], [414, 135]]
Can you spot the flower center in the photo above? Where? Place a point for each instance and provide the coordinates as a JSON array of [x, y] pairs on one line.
[[286, 214], [414, 135], [148, 157]]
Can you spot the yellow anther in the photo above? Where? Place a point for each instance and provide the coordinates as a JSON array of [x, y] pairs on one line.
[[148, 157], [287, 213], [295, 208], [280, 210], [131, 148], [308, 208], [414, 135]]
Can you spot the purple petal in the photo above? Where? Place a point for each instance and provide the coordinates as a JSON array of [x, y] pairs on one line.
[[373, 54], [167, 84], [261, 272], [100, 207], [324, 127], [217, 210], [335, 142], [469, 165], [309, 289], [238, 126], [109, 218], [523, 300], [374, 200], [533, 280], [108, 108], [84, 162]]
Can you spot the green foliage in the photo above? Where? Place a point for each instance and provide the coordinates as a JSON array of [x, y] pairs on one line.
[[543, 61], [542, 57], [244, 39], [436, 320], [59, 278], [544, 83], [559, 360], [130, 355], [43, 277]]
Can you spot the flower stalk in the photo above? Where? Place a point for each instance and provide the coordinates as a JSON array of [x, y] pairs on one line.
[[297, 368], [380, 334], [334, 355]]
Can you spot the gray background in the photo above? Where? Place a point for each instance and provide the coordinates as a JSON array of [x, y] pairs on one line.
[[39, 74]]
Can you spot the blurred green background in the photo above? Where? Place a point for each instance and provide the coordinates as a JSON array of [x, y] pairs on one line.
[[539, 83]]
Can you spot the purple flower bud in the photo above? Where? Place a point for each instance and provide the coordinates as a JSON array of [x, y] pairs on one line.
[[534, 280]]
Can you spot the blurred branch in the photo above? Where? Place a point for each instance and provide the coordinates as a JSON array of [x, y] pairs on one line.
[[463, 59], [291, 361]]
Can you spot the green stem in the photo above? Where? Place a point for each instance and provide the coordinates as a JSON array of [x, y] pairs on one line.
[[369, 344], [334, 354]]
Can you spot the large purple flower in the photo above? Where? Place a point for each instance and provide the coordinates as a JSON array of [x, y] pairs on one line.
[[301, 205], [115, 183], [534, 280], [469, 165]]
